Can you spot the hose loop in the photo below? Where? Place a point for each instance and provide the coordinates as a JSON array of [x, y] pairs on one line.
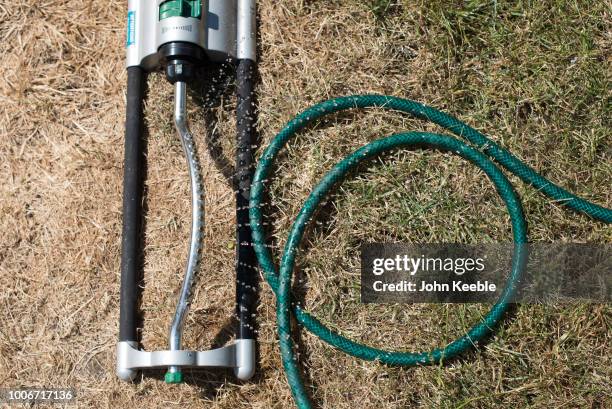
[[481, 151]]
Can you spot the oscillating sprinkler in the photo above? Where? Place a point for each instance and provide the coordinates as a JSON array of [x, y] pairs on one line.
[[179, 36]]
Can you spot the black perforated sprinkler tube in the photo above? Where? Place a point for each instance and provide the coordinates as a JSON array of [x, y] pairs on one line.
[[246, 261]]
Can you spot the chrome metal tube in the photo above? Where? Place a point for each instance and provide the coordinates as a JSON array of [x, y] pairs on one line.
[[197, 217]]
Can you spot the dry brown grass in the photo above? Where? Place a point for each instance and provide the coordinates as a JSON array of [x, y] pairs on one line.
[[61, 152]]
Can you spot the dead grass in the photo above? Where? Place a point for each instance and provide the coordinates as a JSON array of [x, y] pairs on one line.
[[533, 75]]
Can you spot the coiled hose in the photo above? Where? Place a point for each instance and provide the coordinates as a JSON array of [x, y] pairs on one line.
[[482, 153]]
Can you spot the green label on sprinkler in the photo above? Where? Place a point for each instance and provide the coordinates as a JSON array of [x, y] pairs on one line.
[[131, 29], [180, 8]]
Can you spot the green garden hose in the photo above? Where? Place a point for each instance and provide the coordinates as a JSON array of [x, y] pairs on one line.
[[481, 153]]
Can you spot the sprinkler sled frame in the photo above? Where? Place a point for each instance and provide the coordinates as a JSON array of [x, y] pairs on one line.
[[178, 36]]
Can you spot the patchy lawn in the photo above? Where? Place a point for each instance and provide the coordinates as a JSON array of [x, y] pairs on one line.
[[533, 75]]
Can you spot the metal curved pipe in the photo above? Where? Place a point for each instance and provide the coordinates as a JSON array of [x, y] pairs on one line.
[[197, 217]]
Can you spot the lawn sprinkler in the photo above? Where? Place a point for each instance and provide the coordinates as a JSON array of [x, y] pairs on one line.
[[178, 36]]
